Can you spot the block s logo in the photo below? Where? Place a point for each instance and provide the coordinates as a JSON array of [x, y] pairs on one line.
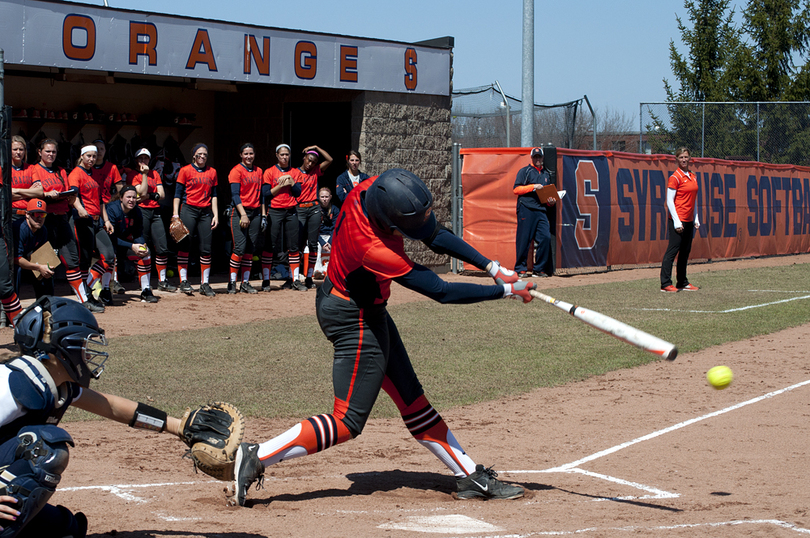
[[587, 227]]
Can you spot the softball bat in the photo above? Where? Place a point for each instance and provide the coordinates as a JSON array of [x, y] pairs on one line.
[[614, 327]]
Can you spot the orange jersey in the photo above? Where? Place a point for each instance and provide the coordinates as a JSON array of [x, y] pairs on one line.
[[309, 184], [52, 179], [88, 190], [153, 180], [106, 175], [199, 185], [250, 184], [685, 186], [284, 198], [364, 260], [21, 178]]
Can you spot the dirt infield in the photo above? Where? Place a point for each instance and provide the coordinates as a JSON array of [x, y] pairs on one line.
[[652, 451]]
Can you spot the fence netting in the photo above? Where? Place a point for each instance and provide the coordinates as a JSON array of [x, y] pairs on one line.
[[771, 132], [480, 117]]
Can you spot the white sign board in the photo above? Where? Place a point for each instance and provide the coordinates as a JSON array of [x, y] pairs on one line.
[[77, 36]]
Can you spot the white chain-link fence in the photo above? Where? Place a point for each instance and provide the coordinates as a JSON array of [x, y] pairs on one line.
[[772, 132]]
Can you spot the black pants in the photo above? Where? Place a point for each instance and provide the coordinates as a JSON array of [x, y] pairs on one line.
[[368, 355], [92, 238], [680, 245], [246, 240], [199, 219], [62, 236], [283, 230], [309, 219], [154, 231]]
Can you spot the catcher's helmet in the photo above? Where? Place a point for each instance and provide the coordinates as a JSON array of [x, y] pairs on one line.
[[399, 200], [66, 329]]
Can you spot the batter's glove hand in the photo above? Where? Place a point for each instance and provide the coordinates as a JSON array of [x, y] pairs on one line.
[[263, 225], [519, 290], [503, 275], [213, 433]]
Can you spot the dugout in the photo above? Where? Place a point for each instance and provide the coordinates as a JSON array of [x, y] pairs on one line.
[[77, 72]]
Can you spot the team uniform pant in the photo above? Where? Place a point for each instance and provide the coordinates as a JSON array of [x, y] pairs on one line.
[[154, 233], [8, 295], [532, 225], [62, 236], [309, 219], [368, 356], [680, 245], [196, 219], [93, 239], [284, 234], [246, 241]]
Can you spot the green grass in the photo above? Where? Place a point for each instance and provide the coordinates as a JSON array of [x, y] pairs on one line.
[[462, 354]]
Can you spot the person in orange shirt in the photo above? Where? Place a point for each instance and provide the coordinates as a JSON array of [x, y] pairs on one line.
[[247, 221], [682, 189], [92, 232], [196, 190], [309, 208], [23, 186], [279, 191]]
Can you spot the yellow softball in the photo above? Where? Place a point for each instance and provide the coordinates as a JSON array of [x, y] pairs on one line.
[[169, 272], [720, 377]]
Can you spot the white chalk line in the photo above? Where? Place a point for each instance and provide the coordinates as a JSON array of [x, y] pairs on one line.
[[728, 311], [121, 490], [657, 494], [634, 528]]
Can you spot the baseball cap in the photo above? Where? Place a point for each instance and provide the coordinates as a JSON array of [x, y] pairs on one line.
[[537, 151], [143, 151], [35, 205]]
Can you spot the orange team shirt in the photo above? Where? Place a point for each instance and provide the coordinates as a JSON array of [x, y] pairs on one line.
[[106, 176], [364, 260], [52, 180], [250, 182], [153, 180], [685, 186], [309, 184], [88, 190], [284, 198], [199, 184], [21, 178]]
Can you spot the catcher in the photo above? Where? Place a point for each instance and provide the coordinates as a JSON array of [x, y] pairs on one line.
[[62, 349]]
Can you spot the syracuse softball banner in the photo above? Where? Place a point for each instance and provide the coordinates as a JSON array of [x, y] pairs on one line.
[[78, 36], [614, 212]]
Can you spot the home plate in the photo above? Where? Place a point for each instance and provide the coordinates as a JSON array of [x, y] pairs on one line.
[[453, 524]]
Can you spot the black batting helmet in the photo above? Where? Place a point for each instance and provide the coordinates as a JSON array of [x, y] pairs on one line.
[[66, 329], [399, 200]]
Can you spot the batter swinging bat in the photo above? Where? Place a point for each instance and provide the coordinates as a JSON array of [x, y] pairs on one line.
[[616, 328]]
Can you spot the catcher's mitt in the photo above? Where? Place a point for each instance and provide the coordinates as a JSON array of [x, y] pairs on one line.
[[213, 432], [177, 229]]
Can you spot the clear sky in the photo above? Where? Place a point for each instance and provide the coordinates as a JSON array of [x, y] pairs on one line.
[[616, 54]]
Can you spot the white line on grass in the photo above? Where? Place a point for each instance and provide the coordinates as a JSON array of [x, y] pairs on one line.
[[749, 307]]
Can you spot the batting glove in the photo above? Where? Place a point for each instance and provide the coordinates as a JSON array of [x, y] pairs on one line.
[[501, 274], [263, 225], [519, 290]]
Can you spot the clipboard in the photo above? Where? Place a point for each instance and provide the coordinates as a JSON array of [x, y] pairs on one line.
[[45, 255], [549, 191]]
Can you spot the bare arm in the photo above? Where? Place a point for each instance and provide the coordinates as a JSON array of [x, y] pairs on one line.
[[117, 408]]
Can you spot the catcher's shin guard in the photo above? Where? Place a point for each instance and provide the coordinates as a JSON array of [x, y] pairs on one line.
[[39, 460]]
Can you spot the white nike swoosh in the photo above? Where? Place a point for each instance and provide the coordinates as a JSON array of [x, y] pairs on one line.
[[485, 488]]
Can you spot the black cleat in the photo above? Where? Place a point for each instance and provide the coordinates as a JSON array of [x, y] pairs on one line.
[[288, 284], [483, 483], [105, 297], [147, 296], [186, 288], [232, 288], [247, 288], [308, 283], [248, 468], [266, 285], [117, 287], [94, 306], [205, 289], [164, 285], [298, 285]]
